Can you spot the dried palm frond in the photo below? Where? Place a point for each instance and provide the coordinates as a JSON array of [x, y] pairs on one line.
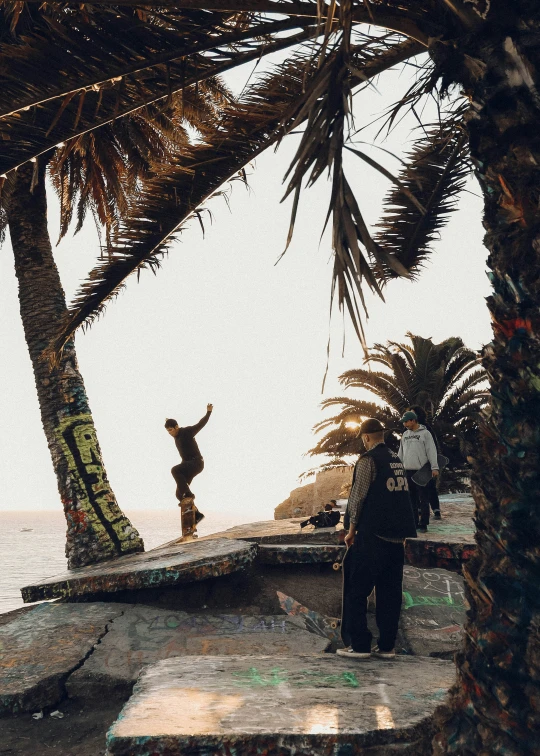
[[325, 106], [436, 171], [65, 93], [100, 171], [182, 183]]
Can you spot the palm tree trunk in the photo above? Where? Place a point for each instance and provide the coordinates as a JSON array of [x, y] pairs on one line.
[[96, 527], [495, 705]]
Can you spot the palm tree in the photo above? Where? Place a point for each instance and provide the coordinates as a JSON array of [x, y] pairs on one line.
[[442, 378], [97, 171], [483, 57]]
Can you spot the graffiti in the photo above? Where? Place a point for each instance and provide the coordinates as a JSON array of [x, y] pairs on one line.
[[410, 601], [253, 678], [326, 627], [144, 628], [95, 505]]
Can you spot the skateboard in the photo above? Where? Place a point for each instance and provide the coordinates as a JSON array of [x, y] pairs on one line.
[[339, 561], [188, 518], [345, 618], [424, 475]]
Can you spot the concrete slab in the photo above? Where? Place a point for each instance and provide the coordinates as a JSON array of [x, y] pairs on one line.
[[308, 705], [144, 635], [167, 565], [432, 615], [40, 648], [280, 531], [448, 542], [433, 612]]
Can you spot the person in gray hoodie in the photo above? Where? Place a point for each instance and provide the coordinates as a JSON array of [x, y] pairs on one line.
[[415, 449]]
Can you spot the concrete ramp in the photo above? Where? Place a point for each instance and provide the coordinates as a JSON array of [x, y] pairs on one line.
[[167, 565], [283, 705]]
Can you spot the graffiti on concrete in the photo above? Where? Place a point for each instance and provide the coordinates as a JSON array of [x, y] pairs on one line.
[[326, 627], [254, 678], [94, 506], [434, 610]]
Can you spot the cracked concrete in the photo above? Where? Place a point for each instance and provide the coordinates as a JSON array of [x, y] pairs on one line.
[[144, 635], [41, 648]]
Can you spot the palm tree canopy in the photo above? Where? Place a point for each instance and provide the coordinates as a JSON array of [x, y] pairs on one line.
[[67, 71], [445, 379]]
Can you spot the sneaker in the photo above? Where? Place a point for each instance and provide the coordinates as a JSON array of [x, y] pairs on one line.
[[384, 654], [422, 529], [350, 654], [437, 514]]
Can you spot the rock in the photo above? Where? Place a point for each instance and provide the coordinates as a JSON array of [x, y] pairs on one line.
[[39, 649], [311, 498], [144, 635], [172, 564], [290, 705]]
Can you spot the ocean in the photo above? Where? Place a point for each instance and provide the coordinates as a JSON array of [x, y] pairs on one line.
[[32, 543]]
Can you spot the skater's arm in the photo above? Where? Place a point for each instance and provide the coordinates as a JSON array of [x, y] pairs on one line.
[[202, 422], [364, 474]]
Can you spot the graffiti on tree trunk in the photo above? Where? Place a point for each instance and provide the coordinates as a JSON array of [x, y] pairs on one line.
[[93, 505]]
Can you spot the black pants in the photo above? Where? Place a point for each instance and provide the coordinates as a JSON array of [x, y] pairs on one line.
[[433, 495], [372, 563], [184, 474], [419, 499]]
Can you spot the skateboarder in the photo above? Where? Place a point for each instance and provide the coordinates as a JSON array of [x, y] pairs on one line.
[[431, 488], [416, 448], [380, 517], [192, 464]]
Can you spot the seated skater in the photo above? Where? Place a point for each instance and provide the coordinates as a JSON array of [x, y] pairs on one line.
[[192, 464]]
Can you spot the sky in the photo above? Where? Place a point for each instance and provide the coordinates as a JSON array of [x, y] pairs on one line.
[[222, 323]]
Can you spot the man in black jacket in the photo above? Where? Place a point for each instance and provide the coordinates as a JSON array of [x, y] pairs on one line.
[[380, 517], [192, 464]]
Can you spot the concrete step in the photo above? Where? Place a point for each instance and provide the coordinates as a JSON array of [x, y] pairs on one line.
[[299, 704]]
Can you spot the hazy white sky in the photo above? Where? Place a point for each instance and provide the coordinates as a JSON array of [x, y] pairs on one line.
[[219, 323]]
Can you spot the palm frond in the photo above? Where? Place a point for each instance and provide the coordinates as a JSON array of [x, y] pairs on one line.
[[184, 181], [29, 133], [416, 373], [435, 173]]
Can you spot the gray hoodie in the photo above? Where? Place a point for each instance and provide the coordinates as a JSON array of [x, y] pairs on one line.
[[416, 448]]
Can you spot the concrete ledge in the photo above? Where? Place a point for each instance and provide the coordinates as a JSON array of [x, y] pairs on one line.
[[284, 706], [167, 565]]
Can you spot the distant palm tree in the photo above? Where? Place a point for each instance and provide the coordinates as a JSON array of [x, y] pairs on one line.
[[442, 378]]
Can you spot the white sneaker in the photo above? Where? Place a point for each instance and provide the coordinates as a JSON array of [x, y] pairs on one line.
[[384, 654], [350, 654]]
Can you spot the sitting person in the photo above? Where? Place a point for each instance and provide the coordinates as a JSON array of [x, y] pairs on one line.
[[328, 518]]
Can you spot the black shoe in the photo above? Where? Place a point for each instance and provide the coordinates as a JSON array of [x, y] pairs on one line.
[[422, 528], [437, 514]]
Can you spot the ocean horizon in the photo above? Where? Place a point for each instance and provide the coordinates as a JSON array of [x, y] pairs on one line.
[[32, 543]]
